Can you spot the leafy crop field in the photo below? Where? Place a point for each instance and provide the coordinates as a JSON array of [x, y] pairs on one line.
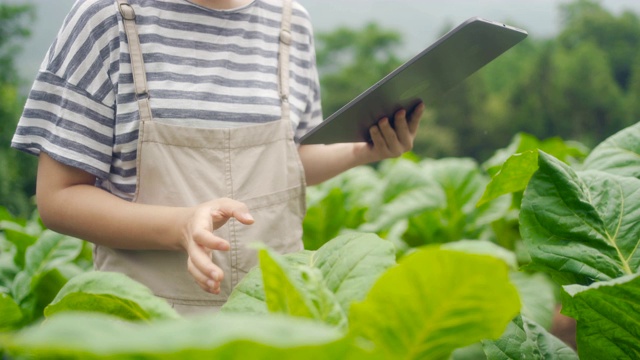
[[415, 259]]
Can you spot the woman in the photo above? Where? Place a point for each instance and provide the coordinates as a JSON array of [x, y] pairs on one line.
[[166, 129]]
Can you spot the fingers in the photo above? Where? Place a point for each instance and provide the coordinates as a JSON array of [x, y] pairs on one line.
[[416, 116], [404, 135], [393, 145], [394, 141], [224, 209], [200, 240], [207, 275]]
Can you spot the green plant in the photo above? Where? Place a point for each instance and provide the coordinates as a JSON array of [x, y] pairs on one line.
[[35, 264], [582, 227], [352, 303]]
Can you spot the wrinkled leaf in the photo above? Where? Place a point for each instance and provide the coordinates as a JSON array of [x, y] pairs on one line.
[[110, 293], [608, 318], [524, 339], [581, 227], [435, 301], [97, 336], [619, 154], [352, 263]]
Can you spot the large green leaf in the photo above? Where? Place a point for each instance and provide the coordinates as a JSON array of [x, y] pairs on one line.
[[96, 336], [536, 290], [307, 284], [35, 286], [567, 151], [512, 177], [520, 143], [298, 291], [524, 339], [249, 297], [581, 227], [608, 318], [10, 313], [435, 301], [110, 293], [512, 167], [352, 263], [619, 154], [34, 293]]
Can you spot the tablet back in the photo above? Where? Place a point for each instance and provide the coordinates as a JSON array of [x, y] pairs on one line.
[[427, 77]]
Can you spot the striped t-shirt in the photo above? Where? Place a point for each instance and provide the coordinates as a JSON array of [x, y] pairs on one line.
[[204, 67]]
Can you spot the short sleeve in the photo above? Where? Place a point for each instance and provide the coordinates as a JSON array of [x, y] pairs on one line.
[[70, 111], [312, 115], [313, 112]]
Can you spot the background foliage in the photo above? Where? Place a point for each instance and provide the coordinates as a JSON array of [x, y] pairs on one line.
[[17, 170], [582, 85]]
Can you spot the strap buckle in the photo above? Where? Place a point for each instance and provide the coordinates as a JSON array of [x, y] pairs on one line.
[[142, 96], [285, 37], [127, 11]]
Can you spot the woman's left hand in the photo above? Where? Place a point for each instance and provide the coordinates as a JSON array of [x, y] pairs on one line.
[[390, 142], [322, 162]]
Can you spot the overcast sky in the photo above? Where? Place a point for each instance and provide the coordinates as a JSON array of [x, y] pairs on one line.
[[419, 21]]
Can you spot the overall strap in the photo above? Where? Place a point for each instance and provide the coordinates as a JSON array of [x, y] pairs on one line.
[[283, 58], [137, 63]]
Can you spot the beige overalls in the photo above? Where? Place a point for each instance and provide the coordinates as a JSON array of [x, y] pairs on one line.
[[185, 166]]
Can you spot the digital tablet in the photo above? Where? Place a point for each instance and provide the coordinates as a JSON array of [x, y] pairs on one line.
[[427, 77]]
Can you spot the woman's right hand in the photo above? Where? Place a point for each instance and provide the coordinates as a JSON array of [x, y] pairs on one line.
[[199, 241]]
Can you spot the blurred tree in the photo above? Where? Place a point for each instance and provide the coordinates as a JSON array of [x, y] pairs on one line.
[[13, 28], [17, 170], [587, 102], [619, 37]]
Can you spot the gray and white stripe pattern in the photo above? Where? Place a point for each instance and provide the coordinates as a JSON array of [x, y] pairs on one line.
[[205, 68]]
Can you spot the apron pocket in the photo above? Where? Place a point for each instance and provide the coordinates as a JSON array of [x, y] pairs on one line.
[[278, 224]]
